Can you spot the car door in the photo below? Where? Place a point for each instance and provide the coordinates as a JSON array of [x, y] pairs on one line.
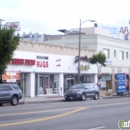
[[1, 93], [92, 89], [7, 92], [87, 90]]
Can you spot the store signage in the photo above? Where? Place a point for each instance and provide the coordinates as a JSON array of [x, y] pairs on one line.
[[42, 64], [22, 62], [58, 64], [11, 76], [42, 57], [83, 58], [84, 67], [121, 82], [14, 25]]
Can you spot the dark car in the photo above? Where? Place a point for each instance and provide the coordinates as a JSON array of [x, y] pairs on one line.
[[82, 91], [10, 93]]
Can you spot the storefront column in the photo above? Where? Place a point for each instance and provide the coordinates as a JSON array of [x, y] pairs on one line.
[[95, 79], [32, 84], [60, 84]]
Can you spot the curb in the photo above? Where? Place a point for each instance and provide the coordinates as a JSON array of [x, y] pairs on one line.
[[62, 100], [36, 102]]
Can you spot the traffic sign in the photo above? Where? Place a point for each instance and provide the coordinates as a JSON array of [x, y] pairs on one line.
[[121, 82]]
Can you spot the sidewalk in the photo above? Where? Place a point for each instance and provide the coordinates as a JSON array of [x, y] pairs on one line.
[[41, 99], [54, 98]]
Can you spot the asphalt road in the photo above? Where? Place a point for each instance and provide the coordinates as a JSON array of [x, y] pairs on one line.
[[73, 115]]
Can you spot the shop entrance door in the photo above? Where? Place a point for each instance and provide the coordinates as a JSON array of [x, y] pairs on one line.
[[70, 82], [23, 84]]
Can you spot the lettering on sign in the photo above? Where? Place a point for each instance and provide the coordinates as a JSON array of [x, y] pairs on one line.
[[83, 58], [16, 61], [84, 67], [42, 64], [58, 64], [42, 57]]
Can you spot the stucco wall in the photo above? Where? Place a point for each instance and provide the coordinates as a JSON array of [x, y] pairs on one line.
[[52, 49]]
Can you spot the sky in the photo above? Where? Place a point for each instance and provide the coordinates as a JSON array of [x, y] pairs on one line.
[[48, 16]]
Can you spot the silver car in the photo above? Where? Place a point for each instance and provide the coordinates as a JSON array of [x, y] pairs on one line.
[[10, 93], [82, 91]]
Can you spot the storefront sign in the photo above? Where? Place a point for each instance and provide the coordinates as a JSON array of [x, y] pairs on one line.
[[42, 64], [22, 62], [58, 64], [42, 57], [84, 67], [83, 58], [121, 82], [14, 25], [11, 77]]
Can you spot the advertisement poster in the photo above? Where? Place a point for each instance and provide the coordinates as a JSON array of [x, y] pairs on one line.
[[121, 82], [14, 25], [103, 83], [120, 31], [11, 77]]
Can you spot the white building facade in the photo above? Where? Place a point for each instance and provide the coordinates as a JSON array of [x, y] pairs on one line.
[[117, 51], [43, 73]]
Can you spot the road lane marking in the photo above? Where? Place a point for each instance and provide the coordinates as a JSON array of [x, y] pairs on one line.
[[34, 112], [112, 104], [97, 128], [43, 119]]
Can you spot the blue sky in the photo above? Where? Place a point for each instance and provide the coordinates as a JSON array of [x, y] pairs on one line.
[[47, 16]]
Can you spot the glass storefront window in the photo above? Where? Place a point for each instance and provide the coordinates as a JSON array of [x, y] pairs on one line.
[[47, 84]]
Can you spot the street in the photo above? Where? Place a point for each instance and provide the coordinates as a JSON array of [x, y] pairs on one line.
[[72, 115]]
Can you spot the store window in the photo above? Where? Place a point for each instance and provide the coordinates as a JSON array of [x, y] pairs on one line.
[[47, 84]]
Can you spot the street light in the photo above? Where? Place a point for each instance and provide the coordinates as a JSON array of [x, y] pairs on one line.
[[80, 45]]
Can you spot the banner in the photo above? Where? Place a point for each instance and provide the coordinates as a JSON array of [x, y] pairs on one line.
[[120, 31], [14, 25], [11, 77], [121, 82]]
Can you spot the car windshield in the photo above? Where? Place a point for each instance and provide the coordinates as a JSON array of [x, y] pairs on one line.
[[77, 86]]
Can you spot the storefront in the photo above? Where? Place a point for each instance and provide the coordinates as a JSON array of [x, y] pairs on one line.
[[49, 74]]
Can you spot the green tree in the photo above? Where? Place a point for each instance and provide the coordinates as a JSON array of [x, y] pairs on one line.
[[8, 44], [98, 59]]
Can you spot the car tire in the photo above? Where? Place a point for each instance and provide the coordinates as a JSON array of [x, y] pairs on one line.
[[67, 99], [1, 104], [14, 101], [83, 97], [96, 96]]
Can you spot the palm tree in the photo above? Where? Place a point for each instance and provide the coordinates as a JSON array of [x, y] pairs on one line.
[[98, 59]]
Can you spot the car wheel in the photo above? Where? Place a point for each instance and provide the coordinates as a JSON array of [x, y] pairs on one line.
[[96, 96], [1, 104], [67, 99], [83, 98], [14, 101]]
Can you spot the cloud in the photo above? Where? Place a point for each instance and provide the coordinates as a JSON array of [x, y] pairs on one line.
[[51, 15]]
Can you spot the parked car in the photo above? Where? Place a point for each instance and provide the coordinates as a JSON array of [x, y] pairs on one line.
[[10, 93], [82, 91]]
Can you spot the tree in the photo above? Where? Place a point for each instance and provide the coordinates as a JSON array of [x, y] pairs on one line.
[[8, 44], [98, 59]]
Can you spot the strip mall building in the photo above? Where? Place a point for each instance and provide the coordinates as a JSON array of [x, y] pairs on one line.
[[45, 69]]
